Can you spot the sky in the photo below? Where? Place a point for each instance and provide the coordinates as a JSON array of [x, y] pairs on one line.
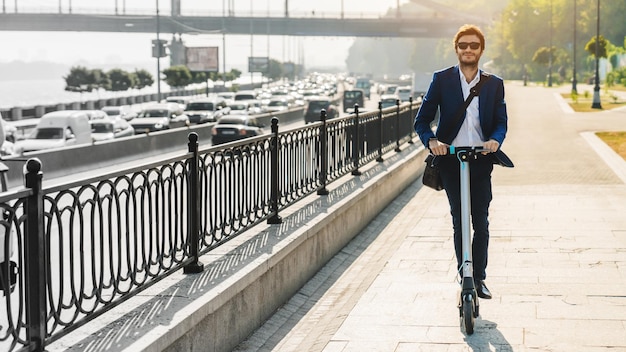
[[107, 48]]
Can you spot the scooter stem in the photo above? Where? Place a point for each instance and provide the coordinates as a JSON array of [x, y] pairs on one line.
[[468, 270]]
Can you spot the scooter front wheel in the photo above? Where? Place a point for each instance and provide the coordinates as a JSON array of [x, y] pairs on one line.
[[468, 314]]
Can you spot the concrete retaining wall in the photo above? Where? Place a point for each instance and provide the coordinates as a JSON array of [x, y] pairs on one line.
[[67, 161], [240, 309], [247, 279]]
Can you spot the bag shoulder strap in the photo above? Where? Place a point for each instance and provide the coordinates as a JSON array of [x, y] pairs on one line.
[[474, 91]]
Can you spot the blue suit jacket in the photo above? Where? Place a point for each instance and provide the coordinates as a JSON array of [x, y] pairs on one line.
[[446, 94]]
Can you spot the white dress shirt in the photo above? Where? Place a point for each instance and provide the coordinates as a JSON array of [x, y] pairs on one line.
[[470, 134]]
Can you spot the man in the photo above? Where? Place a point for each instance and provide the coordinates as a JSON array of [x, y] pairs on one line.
[[485, 124]]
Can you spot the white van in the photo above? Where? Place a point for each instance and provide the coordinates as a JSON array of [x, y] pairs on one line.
[[57, 129]]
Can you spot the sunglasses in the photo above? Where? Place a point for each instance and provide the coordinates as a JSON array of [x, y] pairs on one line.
[[463, 45]]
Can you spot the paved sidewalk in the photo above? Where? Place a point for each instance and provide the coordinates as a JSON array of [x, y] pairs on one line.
[[557, 265]]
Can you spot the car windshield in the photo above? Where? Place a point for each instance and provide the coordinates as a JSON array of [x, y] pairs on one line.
[[47, 133], [238, 107], [318, 105], [112, 112], [154, 113], [101, 128], [199, 106], [353, 94], [277, 103], [388, 102]]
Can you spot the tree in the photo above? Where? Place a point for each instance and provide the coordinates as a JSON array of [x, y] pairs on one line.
[[99, 78], [602, 49], [178, 76], [80, 79], [143, 79], [120, 80], [275, 70], [542, 56], [524, 26], [232, 75]]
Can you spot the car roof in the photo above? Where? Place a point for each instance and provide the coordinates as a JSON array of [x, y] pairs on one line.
[[66, 113], [208, 99], [170, 106], [175, 98], [232, 119], [318, 98]]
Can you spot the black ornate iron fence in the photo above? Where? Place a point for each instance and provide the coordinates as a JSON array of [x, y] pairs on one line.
[[71, 252]]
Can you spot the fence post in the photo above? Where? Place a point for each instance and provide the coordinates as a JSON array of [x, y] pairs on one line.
[[274, 149], [356, 142], [398, 126], [193, 189], [323, 154], [411, 120], [35, 258], [380, 131]]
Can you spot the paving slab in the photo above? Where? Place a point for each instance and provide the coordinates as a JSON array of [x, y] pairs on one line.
[[557, 264]]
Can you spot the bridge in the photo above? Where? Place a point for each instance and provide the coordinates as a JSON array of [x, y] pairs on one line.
[[429, 19]]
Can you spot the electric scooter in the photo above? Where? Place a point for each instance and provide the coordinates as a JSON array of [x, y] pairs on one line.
[[468, 299]]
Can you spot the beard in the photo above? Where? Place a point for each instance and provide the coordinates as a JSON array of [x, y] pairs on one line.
[[468, 60]]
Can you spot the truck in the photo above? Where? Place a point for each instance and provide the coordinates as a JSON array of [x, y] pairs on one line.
[[420, 81], [365, 84]]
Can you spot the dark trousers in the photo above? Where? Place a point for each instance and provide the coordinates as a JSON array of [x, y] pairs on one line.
[[480, 196]]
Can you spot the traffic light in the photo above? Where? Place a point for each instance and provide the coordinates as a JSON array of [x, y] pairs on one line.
[[158, 48]]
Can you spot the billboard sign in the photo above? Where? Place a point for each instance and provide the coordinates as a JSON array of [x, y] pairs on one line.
[[259, 64], [203, 59]]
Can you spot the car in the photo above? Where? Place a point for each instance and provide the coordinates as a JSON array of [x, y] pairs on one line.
[[388, 100], [7, 148], [403, 93], [365, 84], [205, 110], [159, 117], [254, 106], [228, 96], [351, 97], [239, 108], [10, 131], [277, 104], [123, 111], [235, 127], [390, 89], [180, 100], [95, 114], [245, 95], [110, 128], [315, 106]]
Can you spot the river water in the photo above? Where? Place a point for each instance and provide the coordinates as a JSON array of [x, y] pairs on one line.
[[29, 93]]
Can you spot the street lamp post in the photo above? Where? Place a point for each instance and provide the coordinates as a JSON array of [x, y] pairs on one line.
[[550, 50], [158, 78], [574, 90], [596, 89]]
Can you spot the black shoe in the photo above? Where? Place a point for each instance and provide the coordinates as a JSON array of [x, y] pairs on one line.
[[482, 290]]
